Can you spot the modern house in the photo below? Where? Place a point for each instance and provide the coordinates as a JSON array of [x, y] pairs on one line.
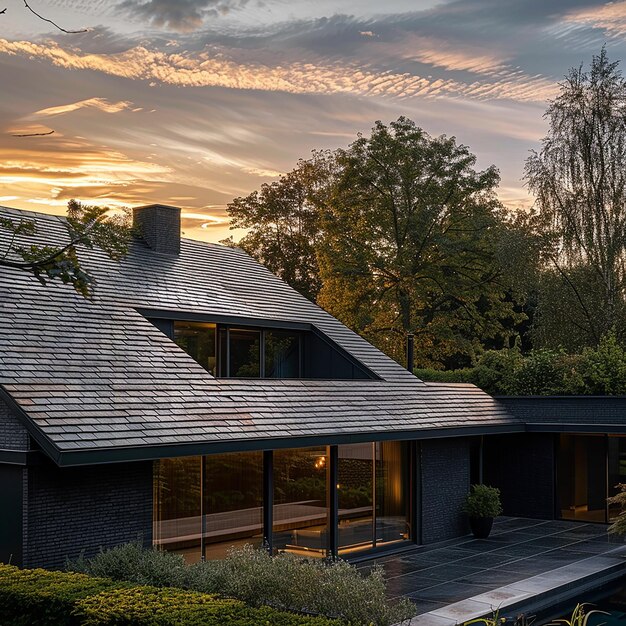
[[198, 402]]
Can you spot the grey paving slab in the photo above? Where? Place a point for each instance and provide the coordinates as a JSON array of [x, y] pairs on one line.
[[448, 591], [463, 611], [473, 592], [429, 619]]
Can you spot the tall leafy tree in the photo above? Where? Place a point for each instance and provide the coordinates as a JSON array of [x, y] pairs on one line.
[[26, 249], [579, 180], [283, 223], [410, 244]]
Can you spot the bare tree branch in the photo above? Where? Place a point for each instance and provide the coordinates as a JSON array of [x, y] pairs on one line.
[[45, 19], [34, 134]]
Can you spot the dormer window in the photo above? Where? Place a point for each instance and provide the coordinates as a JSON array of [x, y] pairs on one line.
[[231, 352], [197, 339]]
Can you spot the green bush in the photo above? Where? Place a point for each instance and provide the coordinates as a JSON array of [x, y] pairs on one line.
[[597, 371], [445, 376], [149, 606], [42, 597], [540, 373], [483, 501], [135, 564], [46, 598], [285, 582], [495, 371], [603, 370]]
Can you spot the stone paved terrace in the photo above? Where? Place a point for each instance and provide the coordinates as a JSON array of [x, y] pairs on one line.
[[522, 560]]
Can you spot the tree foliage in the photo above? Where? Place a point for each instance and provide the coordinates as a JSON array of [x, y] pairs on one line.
[[87, 226], [410, 243], [397, 233], [283, 223], [579, 180]]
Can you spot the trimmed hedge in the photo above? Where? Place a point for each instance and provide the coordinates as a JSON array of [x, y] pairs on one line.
[[151, 606], [47, 598], [41, 597]]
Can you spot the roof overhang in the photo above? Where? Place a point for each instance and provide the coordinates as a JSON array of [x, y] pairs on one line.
[[153, 453]]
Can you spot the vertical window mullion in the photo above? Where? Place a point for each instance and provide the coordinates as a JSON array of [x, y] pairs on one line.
[[227, 352], [333, 501], [268, 500], [374, 532], [606, 477], [202, 511]]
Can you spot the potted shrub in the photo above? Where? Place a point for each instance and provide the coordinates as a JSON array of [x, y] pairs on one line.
[[482, 504]]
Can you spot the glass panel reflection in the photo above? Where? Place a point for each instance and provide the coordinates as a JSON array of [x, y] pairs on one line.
[[282, 354], [244, 353], [301, 501], [355, 475], [233, 502], [581, 477], [197, 339], [617, 470], [177, 516], [392, 497]]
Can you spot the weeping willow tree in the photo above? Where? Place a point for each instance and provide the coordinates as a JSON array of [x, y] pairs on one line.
[[579, 181]]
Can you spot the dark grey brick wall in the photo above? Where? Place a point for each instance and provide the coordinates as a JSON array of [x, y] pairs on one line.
[[13, 436], [445, 467], [543, 410], [522, 467], [159, 227], [84, 508]]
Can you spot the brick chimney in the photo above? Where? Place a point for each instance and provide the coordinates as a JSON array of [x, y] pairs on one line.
[[159, 226]]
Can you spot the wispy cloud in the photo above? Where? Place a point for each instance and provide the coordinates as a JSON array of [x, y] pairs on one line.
[[611, 18], [209, 68], [101, 104]]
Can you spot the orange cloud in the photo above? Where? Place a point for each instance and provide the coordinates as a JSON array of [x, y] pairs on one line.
[[101, 104], [610, 17], [205, 69]]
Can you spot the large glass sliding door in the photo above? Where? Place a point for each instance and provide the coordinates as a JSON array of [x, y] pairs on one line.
[[301, 501], [232, 495], [314, 501], [178, 506], [205, 505], [355, 495], [373, 495], [588, 469], [392, 492]]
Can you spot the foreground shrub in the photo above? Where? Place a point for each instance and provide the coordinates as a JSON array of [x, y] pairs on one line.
[[135, 564], [285, 581], [29, 597], [41, 597], [149, 606]]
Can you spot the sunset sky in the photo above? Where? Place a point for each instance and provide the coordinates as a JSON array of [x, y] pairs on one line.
[[195, 102]]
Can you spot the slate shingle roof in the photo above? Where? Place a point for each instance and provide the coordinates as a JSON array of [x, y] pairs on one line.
[[97, 376]]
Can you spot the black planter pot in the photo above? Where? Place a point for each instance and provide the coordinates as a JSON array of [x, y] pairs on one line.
[[481, 526]]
